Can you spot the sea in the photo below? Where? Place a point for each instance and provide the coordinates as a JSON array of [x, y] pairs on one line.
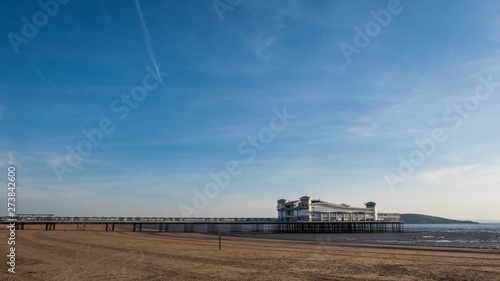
[[480, 235]]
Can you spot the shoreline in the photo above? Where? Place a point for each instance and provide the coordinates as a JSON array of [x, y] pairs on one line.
[[394, 239], [361, 244]]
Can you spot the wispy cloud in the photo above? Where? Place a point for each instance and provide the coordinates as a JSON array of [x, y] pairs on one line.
[[11, 159], [460, 176], [265, 45], [364, 131]]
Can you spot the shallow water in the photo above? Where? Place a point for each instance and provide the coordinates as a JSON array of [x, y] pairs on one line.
[[486, 236], [482, 235]]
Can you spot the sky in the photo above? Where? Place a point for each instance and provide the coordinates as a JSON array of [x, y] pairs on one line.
[[219, 109]]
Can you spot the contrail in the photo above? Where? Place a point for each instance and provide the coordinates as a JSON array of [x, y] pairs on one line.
[[152, 54], [147, 39], [43, 77]]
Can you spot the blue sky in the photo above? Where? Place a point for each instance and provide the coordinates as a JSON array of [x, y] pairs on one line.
[[226, 80]]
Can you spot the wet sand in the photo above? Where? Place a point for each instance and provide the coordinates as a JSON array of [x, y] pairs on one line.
[[100, 255]]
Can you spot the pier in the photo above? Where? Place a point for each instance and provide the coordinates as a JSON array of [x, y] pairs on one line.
[[211, 225]]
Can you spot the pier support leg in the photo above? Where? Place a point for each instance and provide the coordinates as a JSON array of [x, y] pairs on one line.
[[188, 227]]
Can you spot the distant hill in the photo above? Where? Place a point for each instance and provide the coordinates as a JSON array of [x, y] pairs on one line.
[[424, 219]]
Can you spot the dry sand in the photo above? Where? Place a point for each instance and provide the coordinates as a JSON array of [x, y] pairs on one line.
[[100, 255]]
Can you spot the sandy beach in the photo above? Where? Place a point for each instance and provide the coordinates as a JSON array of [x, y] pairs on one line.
[[100, 255]]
